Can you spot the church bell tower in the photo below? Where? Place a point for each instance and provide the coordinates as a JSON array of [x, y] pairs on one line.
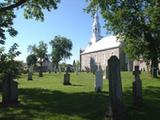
[[96, 33]]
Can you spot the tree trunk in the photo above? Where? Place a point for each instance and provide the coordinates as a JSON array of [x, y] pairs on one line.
[[41, 70], [154, 67], [153, 54]]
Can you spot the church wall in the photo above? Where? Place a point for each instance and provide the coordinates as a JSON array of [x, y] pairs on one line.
[[100, 57]]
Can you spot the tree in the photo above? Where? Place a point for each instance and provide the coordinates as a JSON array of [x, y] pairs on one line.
[[31, 59], [40, 52], [61, 48], [10, 69], [31, 9], [137, 23]]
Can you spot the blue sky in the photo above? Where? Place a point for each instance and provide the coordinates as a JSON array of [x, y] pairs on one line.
[[69, 20]]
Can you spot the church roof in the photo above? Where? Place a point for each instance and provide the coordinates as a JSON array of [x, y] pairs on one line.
[[104, 43]]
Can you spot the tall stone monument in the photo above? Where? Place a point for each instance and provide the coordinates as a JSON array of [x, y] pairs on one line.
[[116, 108], [137, 87], [99, 79]]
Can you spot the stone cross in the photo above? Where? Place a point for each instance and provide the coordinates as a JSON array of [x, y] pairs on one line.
[[99, 79], [116, 108], [137, 87]]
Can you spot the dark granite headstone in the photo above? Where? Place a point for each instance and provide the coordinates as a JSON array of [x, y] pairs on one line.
[[137, 87], [116, 108], [9, 92], [67, 77], [14, 91]]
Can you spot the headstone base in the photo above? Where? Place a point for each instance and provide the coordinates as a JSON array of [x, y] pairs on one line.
[[137, 93], [66, 79], [120, 114], [98, 90]]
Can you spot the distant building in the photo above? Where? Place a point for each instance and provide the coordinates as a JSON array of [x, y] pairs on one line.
[[47, 64], [100, 49]]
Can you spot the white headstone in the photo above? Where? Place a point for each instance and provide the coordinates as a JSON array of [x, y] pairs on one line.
[[99, 79]]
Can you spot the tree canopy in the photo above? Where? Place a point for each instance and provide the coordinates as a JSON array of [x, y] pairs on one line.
[[32, 9], [136, 22], [40, 52], [31, 59], [61, 47], [8, 63]]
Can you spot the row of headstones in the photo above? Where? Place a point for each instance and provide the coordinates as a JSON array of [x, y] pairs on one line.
[[30, 72], [117, 110], [10, 88]]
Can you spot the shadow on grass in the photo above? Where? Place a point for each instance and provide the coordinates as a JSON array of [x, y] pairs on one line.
[[76, 85], [43, 104], [150, 110]]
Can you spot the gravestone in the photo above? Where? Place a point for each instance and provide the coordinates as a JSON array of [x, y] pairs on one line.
[[10, 91], [14, 91], [30, 71], [67, 77], [116, 108], [137, 87], [59, 69], [99, 79], [77, 70]]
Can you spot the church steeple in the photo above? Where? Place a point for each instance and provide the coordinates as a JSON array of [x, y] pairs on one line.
[[96, 33]]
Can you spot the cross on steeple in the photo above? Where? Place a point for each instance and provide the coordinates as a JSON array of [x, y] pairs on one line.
[[96, 33]]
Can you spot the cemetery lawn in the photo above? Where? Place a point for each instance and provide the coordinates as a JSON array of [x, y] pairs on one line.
[[46, 98]]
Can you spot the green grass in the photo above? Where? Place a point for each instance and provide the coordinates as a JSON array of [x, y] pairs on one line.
[[47, 98]]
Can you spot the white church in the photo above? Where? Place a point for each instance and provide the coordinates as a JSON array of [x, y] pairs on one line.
[[100, 49]]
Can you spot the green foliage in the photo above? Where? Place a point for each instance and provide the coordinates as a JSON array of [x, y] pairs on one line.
[[6, 25], [61, 48], [136, 22], [8, 64], [39, 51], [31, 60], [32, 9], [63, 66]]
